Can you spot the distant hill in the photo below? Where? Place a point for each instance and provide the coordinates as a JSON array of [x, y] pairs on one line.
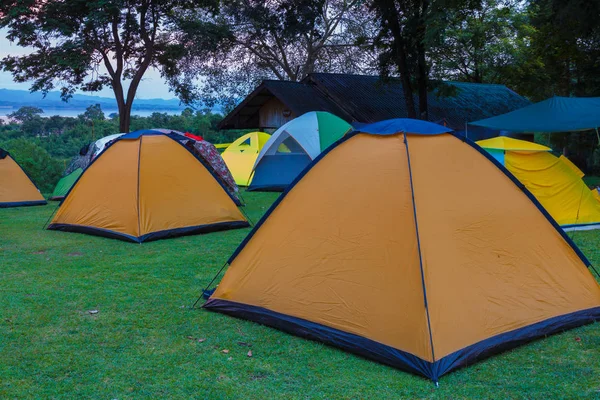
[[19, 98]]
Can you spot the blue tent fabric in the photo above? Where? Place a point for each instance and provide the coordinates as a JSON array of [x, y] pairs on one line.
[[401, 125], [557, 114], [275, 172], [136, 134]]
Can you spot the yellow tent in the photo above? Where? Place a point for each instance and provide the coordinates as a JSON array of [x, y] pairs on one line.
[[16, 189], [361, 253], [555, 181], [147, 186], [241, 155]]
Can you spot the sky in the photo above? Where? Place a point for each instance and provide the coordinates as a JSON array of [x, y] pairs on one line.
[[151, 87]]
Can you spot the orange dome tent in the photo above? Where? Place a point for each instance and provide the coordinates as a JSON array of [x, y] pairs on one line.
[[16, 189], [147, 186], [438, 259]]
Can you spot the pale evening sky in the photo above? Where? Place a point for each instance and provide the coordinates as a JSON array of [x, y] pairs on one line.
[[152, 85]]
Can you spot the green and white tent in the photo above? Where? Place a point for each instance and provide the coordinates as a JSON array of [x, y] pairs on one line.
[[293, 146]]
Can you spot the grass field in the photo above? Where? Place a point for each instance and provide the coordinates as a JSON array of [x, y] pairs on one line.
[[142, 342]]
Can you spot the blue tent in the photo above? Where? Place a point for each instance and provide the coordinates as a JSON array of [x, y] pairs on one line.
[[557, 114]]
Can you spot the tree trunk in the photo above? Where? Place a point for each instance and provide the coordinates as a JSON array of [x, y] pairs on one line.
[[406, 85], [422, 84], [390, 13], [422, 78], [124, 120], [124, 115]]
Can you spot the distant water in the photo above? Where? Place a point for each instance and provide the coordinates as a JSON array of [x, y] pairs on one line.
[[73, 112]]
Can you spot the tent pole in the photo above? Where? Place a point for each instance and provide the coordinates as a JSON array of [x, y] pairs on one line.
[[466, 130], [598, 136], [412, 190]]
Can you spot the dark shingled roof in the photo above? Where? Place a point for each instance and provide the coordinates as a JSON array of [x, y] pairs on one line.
[[360, 98]]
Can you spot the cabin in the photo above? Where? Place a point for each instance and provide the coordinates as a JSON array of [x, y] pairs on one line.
[[366, 99]]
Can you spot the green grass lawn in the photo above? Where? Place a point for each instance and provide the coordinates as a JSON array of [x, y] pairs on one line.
[[138, 344]]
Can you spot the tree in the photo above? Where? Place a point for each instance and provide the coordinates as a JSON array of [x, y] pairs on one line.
[[26, 113], [56, 124], [402, 41], [566, 38], [31, 121], [279, 39], [478, 43], [86, 45], [93, 113]]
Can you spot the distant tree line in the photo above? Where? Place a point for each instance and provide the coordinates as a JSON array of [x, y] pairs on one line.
[[44, 146], [217, 50]]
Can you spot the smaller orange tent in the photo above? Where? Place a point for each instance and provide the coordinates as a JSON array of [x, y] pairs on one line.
[[147, 186], [16, 189]]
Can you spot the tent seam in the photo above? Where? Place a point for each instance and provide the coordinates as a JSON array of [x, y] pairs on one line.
[[138, 185], [412, 190]]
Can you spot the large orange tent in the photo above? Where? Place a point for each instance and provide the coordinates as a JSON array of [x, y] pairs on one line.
[[147, 186], [438, 259], [16, 189]]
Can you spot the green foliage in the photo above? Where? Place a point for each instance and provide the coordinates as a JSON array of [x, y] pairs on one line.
[[566, 40], [44, 170], [143, 343], [26, 113], [480, 41], [93, 113], [56, 140]]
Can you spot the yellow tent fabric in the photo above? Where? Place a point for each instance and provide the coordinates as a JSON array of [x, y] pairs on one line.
[[393, 273], [16, 189], [147, 186], [570, 164], [554, 181], [510, 144], [241, 155]]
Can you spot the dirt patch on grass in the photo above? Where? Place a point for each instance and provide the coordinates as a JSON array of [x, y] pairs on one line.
[[75, 254], [39, 252]]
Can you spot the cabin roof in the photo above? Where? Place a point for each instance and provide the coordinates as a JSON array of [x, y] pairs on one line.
[[363, 98]]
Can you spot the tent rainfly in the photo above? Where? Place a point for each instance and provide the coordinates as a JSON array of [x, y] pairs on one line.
[[16, 189], [147, 185], [446, 261]]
